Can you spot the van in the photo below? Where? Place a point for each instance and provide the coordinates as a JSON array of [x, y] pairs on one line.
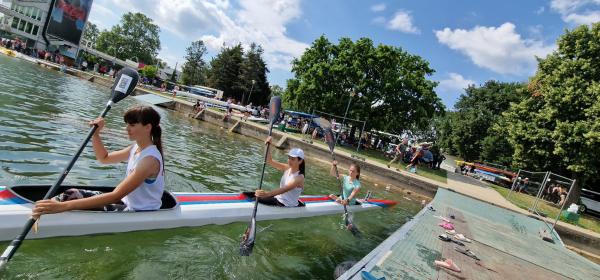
[[590, 201]]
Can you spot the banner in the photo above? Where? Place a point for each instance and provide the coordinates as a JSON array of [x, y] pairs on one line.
[[67, 19]]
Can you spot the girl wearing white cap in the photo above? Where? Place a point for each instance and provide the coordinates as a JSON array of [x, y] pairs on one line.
[[292, 181]]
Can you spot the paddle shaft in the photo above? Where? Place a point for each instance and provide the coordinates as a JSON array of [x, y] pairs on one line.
[[16, 243], [262, 175], [337, 175]]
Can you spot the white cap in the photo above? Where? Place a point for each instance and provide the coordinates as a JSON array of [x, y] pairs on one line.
[[296, 152]]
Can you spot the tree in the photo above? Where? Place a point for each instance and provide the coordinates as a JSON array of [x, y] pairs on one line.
[[254, 69], [276, 90], [173, 78], [149, 71], [225, 72], [91, 33], [396, 94], [474, 135], [135, 37], [194, 69], [557, 127]]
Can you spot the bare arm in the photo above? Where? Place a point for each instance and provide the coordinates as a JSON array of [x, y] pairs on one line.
[[102, 155], [298, 181], [332, 170], [353, 194], [276, 164], [147, 167]]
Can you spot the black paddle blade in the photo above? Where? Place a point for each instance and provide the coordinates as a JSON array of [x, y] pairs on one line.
[[330, 139], [247, 243], [274, 108], [125, 83], [350, 225]]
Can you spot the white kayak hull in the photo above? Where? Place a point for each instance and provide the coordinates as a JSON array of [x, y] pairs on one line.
[[191, 210]]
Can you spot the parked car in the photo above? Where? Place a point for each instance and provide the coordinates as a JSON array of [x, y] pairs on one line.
[[590, 201]]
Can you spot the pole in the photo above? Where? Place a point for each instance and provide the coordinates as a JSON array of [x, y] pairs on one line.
[[360, 136], [537, 199], [251, 88], [513, 185]]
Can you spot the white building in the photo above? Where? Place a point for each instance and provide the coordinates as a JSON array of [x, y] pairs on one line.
[[25, 19]]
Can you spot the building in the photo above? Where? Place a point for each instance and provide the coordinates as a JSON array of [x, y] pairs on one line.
[[24, 19]]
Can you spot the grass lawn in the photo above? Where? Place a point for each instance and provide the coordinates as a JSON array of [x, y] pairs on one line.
[[525, 201], [438, 175]]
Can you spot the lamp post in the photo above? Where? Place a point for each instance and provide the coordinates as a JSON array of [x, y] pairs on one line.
[[251, 88]]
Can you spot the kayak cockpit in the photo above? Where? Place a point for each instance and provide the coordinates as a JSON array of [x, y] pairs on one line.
[[33, 193]]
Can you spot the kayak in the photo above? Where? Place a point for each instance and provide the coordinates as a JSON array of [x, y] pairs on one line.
[[179, 209]]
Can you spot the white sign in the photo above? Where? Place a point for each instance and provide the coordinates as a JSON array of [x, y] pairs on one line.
[[123, 84]]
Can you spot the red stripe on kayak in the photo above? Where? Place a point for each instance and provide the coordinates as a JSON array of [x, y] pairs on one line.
[[384, 201], [186, 198], [310, 199], [5, 194]]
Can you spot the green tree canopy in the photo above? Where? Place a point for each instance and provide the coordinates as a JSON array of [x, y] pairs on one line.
[[194, 69], [149, 71], [91, 33], [557, 128], [255, 69], [226, 70], [135, 37], [396, 94], [471, 131]]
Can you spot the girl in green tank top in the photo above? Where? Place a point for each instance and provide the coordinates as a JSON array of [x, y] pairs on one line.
[[350, 184]]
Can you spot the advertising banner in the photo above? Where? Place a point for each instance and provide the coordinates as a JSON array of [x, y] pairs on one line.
[[67, 19]]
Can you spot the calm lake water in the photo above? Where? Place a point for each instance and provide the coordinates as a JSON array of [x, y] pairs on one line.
[[43, 116]]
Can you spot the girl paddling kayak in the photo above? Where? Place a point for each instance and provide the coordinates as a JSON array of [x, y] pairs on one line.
[[143, 186], [292, 181], [350, 183]]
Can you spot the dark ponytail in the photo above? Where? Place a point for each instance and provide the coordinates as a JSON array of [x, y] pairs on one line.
[[302, 168]]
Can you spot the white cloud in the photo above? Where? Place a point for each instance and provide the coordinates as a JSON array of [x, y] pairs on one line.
[[499, 49], [577, 11], [216, 22], [102, 16], [378, 7], [455, 82], [402, 21]]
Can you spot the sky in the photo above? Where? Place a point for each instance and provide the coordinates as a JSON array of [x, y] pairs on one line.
[[465, 42]]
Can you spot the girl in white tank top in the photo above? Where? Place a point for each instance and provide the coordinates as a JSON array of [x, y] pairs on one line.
[[292, 181], [143, 185]]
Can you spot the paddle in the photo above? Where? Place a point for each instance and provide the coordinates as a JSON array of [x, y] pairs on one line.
[[125, 83], [247, 243], [331, 140]]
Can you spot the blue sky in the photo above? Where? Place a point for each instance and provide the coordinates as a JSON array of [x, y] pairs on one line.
[[466, 42]]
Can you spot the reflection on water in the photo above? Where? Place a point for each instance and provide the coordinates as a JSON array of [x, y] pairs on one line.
[[43, 116]]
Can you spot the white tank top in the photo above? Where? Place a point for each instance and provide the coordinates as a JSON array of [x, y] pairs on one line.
[[146, 196], [290, 198]]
